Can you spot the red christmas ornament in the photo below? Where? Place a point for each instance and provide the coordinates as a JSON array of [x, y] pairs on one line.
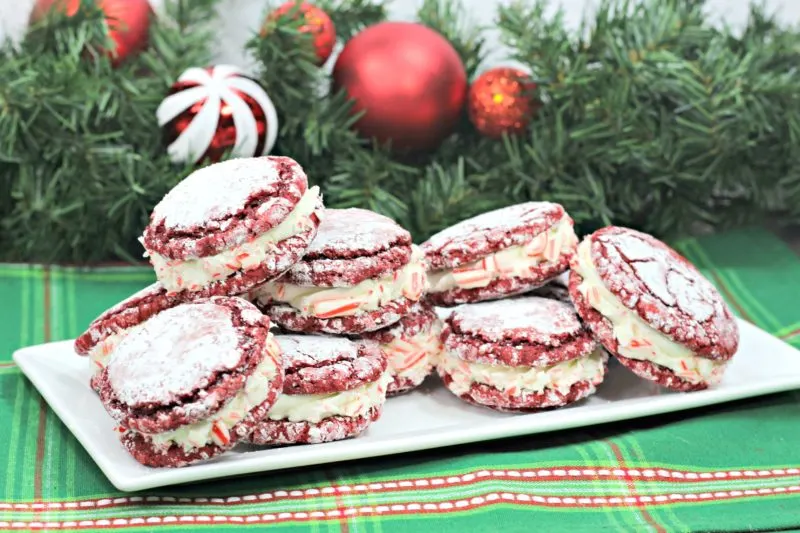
[[317, 22], [408, 79], [501, 101], [210, 111], [128, 22]]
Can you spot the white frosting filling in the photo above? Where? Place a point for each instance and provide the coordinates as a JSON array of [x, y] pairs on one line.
[[316, 407], [369, 295], [414, 357], [518, 380], [216, 429], [511, 262], [192, 274], [101, 352], [637, 339]]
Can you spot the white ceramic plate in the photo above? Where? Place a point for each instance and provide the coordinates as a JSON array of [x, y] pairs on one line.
[[427, 418]]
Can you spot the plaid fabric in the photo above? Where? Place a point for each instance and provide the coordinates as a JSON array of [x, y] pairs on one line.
[[732, 467]]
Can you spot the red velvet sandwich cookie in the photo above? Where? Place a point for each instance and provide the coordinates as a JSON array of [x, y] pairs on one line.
[[233, 225], [334, 389], [521, 354], [192, 380], [500, 253], [652, 309], [412, 347], [361, 273], [107, 330]]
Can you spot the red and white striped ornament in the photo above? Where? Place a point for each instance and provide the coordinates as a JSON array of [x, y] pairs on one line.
[[210, 111]]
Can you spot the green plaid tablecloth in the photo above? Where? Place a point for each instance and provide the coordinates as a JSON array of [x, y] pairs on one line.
[[729, 468]]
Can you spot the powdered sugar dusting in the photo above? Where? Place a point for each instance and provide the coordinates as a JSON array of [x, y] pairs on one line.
[[696, 302], [309, 350], [215, 191], [173, 354], [653, 275], [355, 229], [666, 275], [539, 317], [504, 219]]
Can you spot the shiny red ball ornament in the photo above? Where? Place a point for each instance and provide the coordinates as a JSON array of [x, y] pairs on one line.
[[501, 100], [407, 79], [316, 22], [128, 22]]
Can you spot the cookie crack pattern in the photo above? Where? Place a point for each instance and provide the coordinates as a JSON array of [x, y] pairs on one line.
[[667, 281]]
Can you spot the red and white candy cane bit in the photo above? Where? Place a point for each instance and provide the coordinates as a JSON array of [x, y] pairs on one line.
[[411, 360], [536, 247], [331, 307], [552, 250], [272, 346], [688, 373], [220, 434], [471, 278], [639, 343], [413, 290], [281, 291], [593, 295], [475, 266], [402, 346]]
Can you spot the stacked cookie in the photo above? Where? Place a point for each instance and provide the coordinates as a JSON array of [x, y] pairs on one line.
[[364, 279], [192, 381], [628, 294], [188, 366]]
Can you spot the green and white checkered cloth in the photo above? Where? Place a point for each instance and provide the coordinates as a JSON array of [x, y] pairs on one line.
[[734, 467]]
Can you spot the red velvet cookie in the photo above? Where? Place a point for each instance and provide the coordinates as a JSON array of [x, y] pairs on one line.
[[361, 273], [334, 388], [504, 252], [521, 354], [107, 330], [233, 225], [652, 309], [188, 383], [412, 347]]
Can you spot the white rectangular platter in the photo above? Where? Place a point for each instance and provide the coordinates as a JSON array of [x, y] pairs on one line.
[[427, 418]]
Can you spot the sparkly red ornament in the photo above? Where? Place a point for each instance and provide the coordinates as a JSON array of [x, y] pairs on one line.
[[128, 22], [501, 101], [210, 111], [317, 22], [409, 81]]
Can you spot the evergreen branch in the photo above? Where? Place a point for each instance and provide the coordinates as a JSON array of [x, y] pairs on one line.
[[449, 18], [80, 161], [351, 16]]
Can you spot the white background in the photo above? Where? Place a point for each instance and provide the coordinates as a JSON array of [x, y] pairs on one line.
[[239, 18]]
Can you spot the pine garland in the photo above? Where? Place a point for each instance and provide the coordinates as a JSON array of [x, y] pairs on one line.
[[81, 157], [652, 118]]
